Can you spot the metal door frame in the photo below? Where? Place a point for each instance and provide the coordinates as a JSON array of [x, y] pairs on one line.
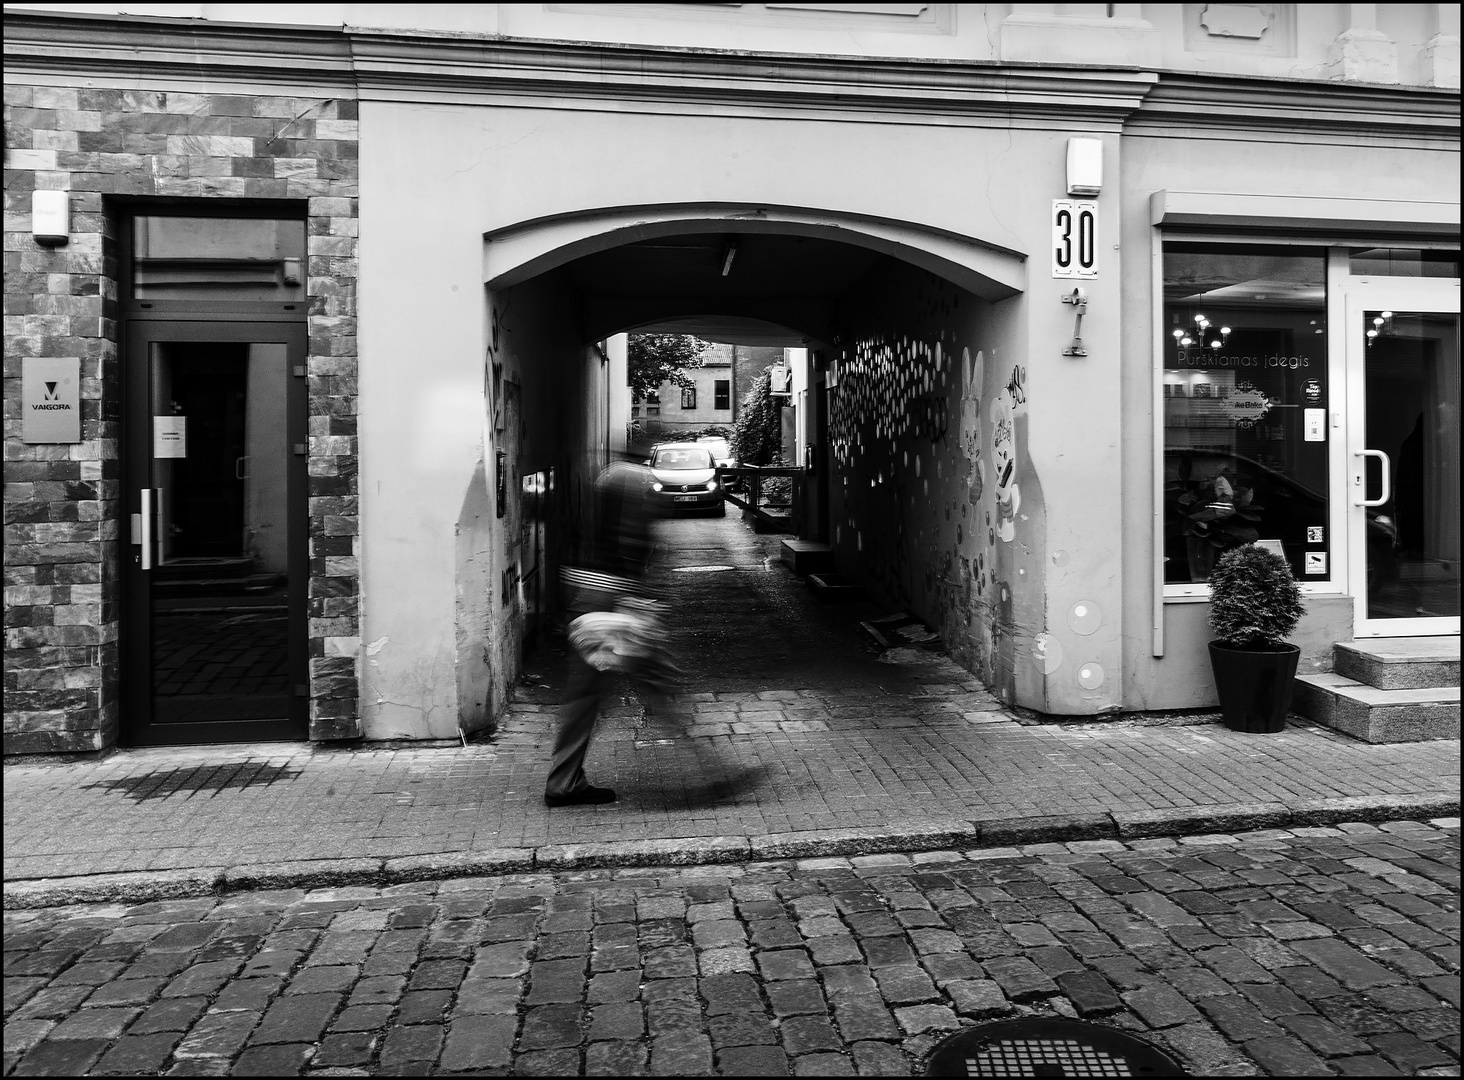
[[138, 332], [1440, 295]]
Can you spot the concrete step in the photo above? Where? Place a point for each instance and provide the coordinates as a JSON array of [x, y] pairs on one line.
[[764, 522], [807, 556], [831, 588], [1416, 714], [1399, 663]]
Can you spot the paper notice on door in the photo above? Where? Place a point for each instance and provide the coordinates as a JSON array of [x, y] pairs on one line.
[[1316, 562], [1315, 421], [170, 438]]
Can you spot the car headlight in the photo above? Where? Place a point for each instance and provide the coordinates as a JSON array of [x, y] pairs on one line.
[[656, 486], [711, 485]]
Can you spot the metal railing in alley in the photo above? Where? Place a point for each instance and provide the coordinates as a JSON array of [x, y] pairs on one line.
[[770, 505]]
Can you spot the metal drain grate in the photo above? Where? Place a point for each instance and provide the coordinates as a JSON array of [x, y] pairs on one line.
[[1048, 1048], [700, 569]]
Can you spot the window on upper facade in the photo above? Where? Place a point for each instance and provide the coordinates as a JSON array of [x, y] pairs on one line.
[[1403, 262], [1245, 400], [723, 391], [688, 397], [216, 258]]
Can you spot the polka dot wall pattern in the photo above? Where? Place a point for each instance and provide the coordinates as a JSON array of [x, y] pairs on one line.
[[918, 511]]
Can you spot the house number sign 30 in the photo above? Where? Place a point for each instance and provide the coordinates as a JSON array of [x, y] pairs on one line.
[[1074, 239]]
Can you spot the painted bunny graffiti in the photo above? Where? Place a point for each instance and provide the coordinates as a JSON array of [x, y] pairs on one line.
[[1004, 464]]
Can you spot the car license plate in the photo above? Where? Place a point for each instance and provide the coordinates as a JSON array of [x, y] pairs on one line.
[[684, 498]]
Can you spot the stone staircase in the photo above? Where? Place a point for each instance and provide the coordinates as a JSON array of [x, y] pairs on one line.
[[1386, 690]]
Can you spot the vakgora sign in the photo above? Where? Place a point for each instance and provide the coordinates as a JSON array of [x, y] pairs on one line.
[[50, 399]]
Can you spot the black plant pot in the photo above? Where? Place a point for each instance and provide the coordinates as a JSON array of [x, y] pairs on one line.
[[1254, 685]]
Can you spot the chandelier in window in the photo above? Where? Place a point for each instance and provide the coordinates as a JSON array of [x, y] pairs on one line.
[[1203, 335], [1382, 326]]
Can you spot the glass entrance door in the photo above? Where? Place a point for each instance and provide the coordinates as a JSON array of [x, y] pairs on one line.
[[215, 622], [1403, 457]]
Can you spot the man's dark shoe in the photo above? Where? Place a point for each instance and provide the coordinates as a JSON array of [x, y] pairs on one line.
[[588, 795]]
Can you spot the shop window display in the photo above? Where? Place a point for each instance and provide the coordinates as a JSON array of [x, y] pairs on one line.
[[1245, 407]]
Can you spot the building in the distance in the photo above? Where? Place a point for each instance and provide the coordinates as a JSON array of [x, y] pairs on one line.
[[718, 387], [314, 317]]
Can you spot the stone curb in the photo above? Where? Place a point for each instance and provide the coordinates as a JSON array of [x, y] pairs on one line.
[[1003, 834], [820, 843]]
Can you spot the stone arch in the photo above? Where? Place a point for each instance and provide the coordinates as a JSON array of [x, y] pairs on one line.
[[515, 253]]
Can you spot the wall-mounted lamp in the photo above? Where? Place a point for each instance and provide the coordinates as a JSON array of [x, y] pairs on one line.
[[1084, 166], [727, 256], [51, 217]]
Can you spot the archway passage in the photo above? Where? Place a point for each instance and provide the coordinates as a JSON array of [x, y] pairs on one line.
[[899, 463], [753, 288]]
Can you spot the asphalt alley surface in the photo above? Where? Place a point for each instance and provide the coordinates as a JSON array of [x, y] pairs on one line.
[[799, 740], [1302, 952]]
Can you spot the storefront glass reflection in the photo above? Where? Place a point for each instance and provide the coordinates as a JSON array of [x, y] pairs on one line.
[[220, 605], [1412, 392], [1245, 407]]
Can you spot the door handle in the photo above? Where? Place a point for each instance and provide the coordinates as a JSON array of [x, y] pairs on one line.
[[146, 530], [241, 468], [1387, 472]]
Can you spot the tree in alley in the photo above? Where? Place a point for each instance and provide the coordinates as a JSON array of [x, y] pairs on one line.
[[758, 438], [655, 359]]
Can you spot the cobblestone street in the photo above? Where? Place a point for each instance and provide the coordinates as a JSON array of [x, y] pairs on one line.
[[1303, 952]]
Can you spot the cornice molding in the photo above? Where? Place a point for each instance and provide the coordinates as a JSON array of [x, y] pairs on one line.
[[532, 73], [1230, 103], [535, 73], [136, 47], [949, 91]]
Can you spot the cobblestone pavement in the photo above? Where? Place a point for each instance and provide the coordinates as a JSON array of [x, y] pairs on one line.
[[1303, 952], [796, 734]]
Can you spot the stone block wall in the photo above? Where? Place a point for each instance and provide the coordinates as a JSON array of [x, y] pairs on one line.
[[64, 506]]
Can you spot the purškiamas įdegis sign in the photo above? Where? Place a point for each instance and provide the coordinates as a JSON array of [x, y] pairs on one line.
[[50, 399]]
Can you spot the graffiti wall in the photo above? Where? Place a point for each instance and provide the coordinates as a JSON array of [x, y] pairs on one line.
[[936, 507], [545, 436]]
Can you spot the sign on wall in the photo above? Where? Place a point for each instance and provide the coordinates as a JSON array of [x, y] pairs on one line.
[[50, 399], [1074, 238], [170, 436]]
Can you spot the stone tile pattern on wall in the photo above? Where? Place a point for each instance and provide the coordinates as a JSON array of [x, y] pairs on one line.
[[64, 505]]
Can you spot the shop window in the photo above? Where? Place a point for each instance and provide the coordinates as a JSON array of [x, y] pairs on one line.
[[722, 388], [688, 397], [1245, 406]]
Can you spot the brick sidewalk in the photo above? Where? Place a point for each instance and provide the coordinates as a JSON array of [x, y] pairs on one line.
[[781, 773], [799, 741]]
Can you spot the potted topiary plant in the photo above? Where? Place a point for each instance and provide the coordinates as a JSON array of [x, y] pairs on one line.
[[1255, 604]]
